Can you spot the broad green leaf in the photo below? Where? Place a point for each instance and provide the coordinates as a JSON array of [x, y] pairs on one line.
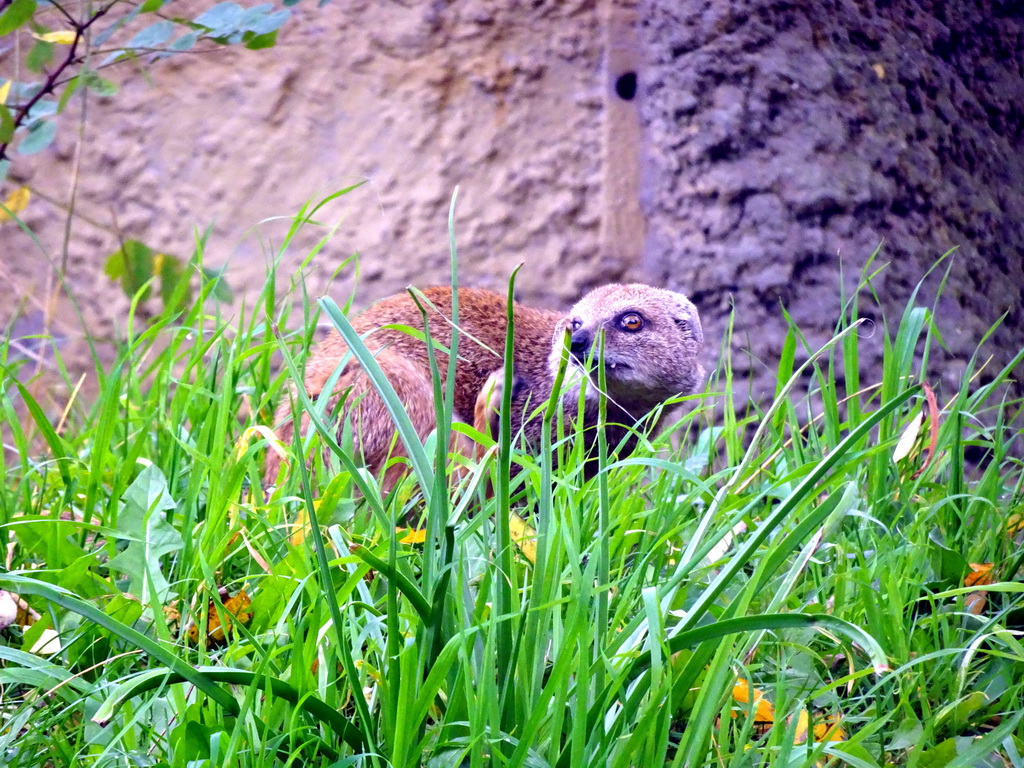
[[264, 23], [6, 124], [853, 755], [100, 85], [191, 742], [259, 42], [39, 56], [106, 33], [939, 756], [948, 566], [151, 5], [222, 19], [24, 585], [132, 264], [17, 13], [172, 274], [221, 290], [39, 137], [143, 522], [54, 541], [69, 91], [185, 42], [154, 35], [907, 735]]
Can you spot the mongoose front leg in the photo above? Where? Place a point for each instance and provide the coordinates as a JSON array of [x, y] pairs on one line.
[[487, 413]]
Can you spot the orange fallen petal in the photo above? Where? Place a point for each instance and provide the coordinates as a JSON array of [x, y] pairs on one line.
[[764, 712], [415, 536]]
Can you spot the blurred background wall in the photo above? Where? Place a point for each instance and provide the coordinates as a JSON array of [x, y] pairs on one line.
[[751, 154]]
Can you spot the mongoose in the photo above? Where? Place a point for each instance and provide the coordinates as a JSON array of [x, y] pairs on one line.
[[652, 341]]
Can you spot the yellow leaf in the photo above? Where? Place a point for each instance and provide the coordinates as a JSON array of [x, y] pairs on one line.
[[908, 438], [301, 525], [1014, 525], [879, 70], [764, 712], [802, 723], [16, 202], [5, 91], [63, 37], [415, 536], [829, 730], [524, 536], [238, 607]]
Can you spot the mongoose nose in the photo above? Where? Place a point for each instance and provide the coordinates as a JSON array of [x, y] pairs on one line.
[[580, 344]]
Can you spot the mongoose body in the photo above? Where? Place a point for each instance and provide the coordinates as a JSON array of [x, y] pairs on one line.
[[652, 342]]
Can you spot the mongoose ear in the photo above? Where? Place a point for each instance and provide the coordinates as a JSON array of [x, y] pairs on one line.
[[687, 319]]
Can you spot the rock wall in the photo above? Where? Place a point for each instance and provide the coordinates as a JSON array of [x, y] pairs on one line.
[[743, 151], [413, 98], [786, 140]]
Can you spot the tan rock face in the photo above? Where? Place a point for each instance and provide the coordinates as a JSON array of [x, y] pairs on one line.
[[745, 159], [413, 99]]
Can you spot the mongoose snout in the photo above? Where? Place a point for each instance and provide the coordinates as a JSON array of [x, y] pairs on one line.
[[651, 341]]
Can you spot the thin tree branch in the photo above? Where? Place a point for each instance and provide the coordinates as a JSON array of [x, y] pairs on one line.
[[52, 77]]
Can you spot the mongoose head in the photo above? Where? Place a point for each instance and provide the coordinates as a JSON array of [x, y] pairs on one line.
[[652, 339]]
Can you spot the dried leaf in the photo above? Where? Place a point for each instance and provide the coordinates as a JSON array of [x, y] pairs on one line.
[[718, 551], [829, 729], [908, 439], [47, 644], [933, 422], [61, 37], [238, 606], [524, 536], [764, 712], [975, 603], [301, 526], [981, 573]]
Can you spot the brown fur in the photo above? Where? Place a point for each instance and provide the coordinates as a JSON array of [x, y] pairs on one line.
[[651, 366]]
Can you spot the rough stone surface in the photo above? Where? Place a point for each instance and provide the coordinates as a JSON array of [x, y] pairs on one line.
[[780, 141], [786, 140], [412, 98]]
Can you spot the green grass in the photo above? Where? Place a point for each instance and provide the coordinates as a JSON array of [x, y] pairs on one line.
[[783, 547]]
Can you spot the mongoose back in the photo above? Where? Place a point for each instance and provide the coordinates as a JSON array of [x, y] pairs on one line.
[[653, 338]]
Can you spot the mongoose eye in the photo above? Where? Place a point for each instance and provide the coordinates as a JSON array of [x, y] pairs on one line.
[[631, 321], [576, 324]]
